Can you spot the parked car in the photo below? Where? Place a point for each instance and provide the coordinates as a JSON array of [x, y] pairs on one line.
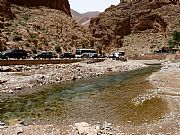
[[116, 55], [14, 53], [67, 55], [0, 54], [45, 55], [102, 56]]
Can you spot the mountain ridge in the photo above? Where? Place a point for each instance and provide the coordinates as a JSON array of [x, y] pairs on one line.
[[84, 17]]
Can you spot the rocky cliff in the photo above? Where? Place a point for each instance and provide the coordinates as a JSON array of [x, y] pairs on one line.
[[62, 5], [140, 25], [42, 28], [5, 14], [5, 11]]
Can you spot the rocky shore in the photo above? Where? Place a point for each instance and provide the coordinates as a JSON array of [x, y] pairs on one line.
[[15, 79], [167, 86]]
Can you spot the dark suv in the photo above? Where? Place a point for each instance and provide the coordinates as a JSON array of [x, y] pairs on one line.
[[67, 55], [45, 55], [14, 53]]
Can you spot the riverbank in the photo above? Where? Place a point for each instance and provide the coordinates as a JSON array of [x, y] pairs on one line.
[[166, 83], [21, 78]]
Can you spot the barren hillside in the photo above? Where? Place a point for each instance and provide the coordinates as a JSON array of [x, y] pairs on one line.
[[42, 28], [84, 18]]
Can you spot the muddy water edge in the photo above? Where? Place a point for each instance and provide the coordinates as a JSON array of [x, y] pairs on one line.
[[105, 98]]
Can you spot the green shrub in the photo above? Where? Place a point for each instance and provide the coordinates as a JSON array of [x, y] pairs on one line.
[[26, 17], [176, 36], [22, 23], [17, 38], [58, 49], [34, 49], [32, 35], [46, 42], [173, 42]]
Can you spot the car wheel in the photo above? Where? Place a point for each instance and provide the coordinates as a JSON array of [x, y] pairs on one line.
[[23, 57], [6, 57]]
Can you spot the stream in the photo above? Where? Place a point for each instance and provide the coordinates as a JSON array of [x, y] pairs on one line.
[[104, 98]]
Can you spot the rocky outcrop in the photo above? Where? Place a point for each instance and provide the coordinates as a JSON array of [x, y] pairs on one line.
[[5, 11], [5, 15], [127, 18], [62, 5]]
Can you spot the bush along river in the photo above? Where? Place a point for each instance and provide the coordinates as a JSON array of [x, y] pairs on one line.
[[110, 98]]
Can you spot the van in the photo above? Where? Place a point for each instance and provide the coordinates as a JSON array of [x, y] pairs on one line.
[[86, 53]]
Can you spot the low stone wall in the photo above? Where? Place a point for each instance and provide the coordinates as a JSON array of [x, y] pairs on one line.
[[149, 57], [37, 62]]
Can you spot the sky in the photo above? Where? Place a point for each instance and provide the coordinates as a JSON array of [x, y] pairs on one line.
[[83, 6]]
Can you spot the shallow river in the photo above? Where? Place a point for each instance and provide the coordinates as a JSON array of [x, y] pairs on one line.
[[105, 98]]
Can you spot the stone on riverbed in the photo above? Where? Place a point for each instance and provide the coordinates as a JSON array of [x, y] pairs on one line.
[[18, 88], [3, 81], [19, 130], [84, 128]]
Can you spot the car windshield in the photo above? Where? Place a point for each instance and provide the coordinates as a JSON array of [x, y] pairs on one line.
[[7, 51]]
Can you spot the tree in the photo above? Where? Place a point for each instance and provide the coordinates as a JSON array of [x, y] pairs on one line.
[[176, 36], [171, 43], [175, 39]]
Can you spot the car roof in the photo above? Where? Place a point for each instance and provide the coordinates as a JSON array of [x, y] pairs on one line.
[[85, 49]]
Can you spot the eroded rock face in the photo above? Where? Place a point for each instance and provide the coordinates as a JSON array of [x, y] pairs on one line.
[[5, 14], [5, 11], [62, 5], [110, 27], [42, 28]]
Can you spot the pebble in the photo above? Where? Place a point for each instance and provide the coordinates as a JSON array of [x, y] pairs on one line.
[[2, 123], [11, 91], [18, 88], [19, 130]]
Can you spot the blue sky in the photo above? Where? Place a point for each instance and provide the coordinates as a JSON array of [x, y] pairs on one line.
[[83, 6]]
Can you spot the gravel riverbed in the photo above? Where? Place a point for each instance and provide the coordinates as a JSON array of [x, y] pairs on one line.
[[16, 78], [166, 82]]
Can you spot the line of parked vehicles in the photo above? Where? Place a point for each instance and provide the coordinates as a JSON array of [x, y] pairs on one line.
[[80, 53]]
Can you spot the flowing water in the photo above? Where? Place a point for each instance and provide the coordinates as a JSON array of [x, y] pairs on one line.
[[105, 98]]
